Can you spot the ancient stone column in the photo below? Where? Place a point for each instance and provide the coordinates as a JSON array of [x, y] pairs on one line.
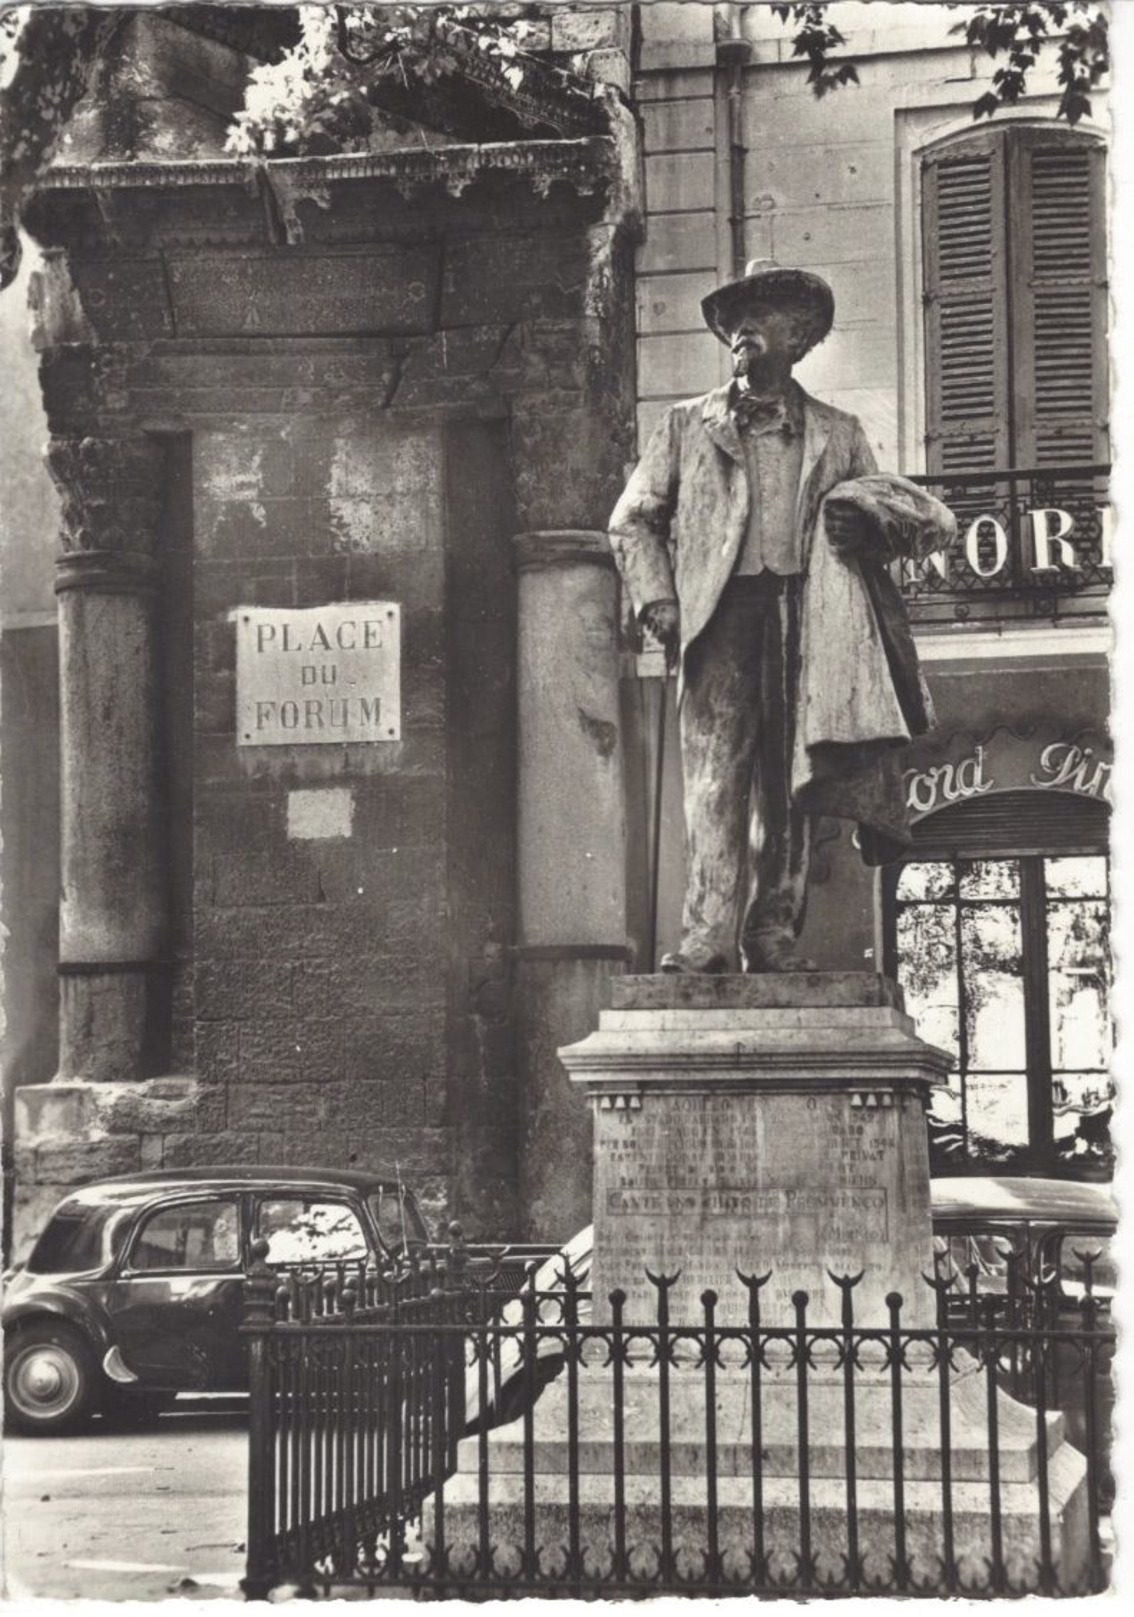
[[571, 877], [113, 911]]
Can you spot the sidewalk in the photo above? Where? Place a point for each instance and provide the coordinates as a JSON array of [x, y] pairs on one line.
[[128, 1515]]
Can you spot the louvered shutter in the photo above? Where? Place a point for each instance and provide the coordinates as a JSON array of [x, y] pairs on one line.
[[1014, 248], [964, 251], [1058, 250]]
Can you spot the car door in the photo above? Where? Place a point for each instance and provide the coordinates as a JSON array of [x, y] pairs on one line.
[[175, 1305]]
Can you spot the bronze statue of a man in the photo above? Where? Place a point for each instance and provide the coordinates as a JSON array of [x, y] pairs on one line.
[[754, 539]]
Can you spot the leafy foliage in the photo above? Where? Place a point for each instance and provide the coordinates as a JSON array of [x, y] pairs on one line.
[[1019, 31], [816, 37], [321, 96], [1015, 31]]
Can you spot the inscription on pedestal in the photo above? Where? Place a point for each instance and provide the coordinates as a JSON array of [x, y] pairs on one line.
[[795, 1183]]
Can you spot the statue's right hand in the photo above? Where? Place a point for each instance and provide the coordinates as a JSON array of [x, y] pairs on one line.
[[663, 620]]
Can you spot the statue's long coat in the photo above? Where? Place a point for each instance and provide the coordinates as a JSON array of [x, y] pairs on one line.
[[676, 534]]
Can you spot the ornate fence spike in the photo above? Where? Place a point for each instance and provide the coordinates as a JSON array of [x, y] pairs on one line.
[[753, 1281]]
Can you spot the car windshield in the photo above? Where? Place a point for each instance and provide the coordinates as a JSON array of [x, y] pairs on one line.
[[399, 1223], [79, 1237]]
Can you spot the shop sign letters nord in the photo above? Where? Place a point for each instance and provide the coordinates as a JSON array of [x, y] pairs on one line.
[[328, 674], [1053, 548], [1011, 763]]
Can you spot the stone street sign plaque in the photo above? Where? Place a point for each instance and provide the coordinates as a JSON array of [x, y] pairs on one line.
[[326, 674]]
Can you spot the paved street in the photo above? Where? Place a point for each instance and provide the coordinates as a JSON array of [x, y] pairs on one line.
[[129, 1516]]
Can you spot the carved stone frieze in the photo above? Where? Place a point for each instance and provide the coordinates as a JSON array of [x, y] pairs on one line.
[[111, 491]]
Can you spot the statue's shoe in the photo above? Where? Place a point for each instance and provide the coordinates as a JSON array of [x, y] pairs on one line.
[[693, 959], [771, 951]]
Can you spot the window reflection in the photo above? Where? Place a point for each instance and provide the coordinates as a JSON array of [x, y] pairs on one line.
[[993, 986], [989, 878], [1084, 876], [926, 879], [997, 1112]]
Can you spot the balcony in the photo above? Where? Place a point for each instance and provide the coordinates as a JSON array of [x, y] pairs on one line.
[[1031, 543]]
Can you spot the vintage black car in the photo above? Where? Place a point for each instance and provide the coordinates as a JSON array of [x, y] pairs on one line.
[[132, 1293]]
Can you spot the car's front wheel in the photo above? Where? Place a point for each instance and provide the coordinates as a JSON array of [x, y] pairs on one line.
[[50, 1379]]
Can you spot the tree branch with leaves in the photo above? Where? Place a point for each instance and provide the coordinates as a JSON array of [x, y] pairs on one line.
[[1019, 32], [1015, 32]]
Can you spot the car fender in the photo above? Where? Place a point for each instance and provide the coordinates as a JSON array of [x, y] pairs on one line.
[[50, 1303]]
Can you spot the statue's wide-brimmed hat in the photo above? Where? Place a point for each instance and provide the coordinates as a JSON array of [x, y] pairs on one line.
[[765, 281]]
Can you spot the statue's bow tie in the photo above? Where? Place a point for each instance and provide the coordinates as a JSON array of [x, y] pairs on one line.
[[762, 414]]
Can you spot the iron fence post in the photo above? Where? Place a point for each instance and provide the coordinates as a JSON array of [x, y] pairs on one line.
[[894, 1357], [257, 1321], [1089, 1313], [846, 1284], [755, 1344], [801, 1346]]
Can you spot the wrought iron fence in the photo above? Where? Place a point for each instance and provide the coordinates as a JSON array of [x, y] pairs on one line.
[[400, 1440], [1010, 555]]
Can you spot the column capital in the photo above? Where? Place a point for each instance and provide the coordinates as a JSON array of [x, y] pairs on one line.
[[561, 547], [112, 490]]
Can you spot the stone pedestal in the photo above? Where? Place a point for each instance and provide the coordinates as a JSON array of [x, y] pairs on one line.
[[763, 1123], [773, 1125]]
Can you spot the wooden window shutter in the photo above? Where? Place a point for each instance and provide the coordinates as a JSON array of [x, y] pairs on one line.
[[968, 396], [1058, 295]]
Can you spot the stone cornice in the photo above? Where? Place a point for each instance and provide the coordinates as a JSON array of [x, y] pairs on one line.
[[582, 163]]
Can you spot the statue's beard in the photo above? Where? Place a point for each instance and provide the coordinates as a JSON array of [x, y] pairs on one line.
[[751, 368], [754, 368]]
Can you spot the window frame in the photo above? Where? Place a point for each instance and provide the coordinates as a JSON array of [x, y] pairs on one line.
[[1039, 1155], [147, 1214], [305, 1197]]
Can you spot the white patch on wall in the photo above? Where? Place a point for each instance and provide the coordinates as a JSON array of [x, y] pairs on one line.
[[316, 815]]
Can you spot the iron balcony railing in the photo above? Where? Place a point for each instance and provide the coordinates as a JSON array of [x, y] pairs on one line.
[[1030, 543], [376, 1464]]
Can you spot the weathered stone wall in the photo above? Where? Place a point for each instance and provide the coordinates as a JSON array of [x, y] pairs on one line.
[[370, 412]]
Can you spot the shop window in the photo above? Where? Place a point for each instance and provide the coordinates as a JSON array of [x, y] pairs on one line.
[[1005, 963], [1014, 248]]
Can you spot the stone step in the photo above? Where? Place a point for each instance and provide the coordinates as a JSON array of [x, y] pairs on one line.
[[1018, 1444]]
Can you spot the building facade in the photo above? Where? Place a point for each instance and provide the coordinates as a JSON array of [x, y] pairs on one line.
[[357, 803], [969, 266]]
